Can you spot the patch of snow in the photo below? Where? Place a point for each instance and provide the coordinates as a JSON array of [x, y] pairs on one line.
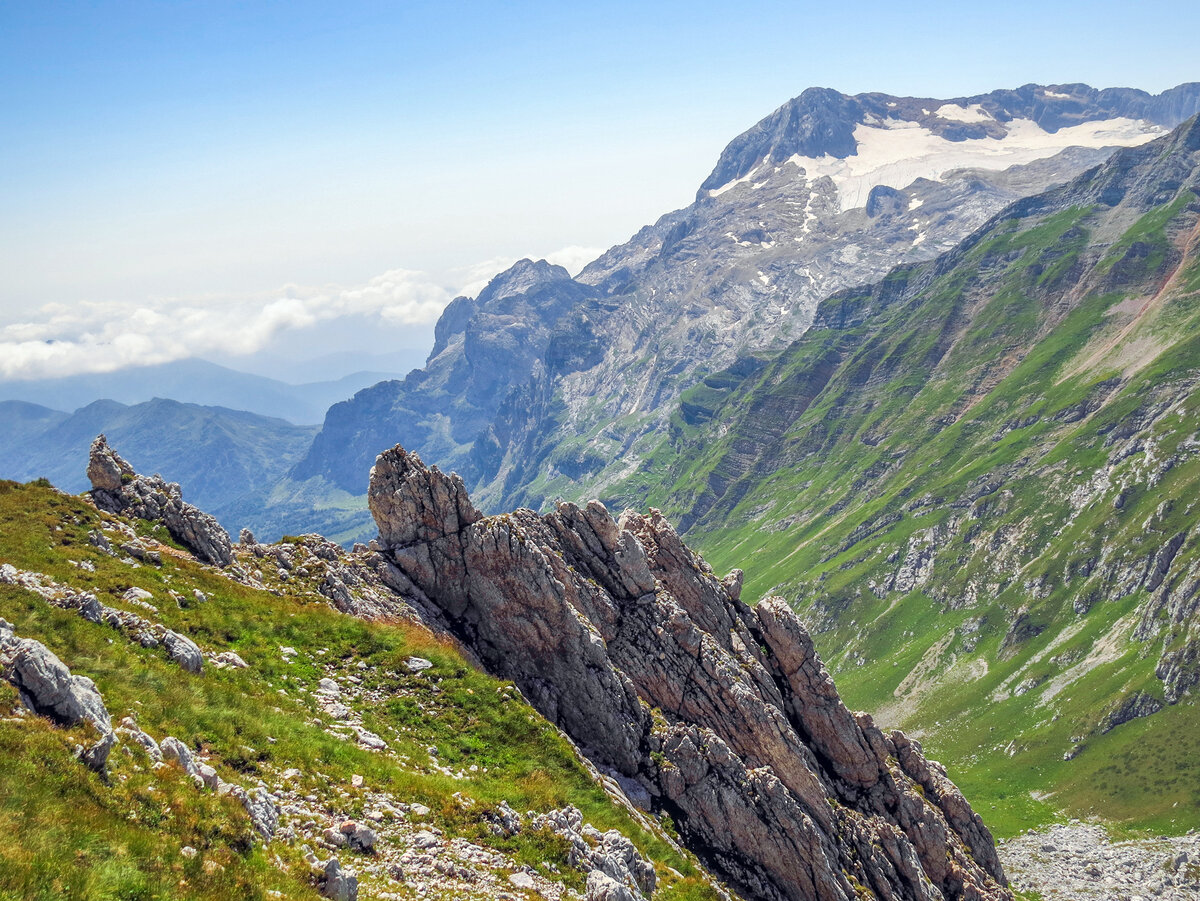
[[919, 239], [1057, 96], [915, 203], [717, 192], [901, 152], [956, 113], [765, 279]]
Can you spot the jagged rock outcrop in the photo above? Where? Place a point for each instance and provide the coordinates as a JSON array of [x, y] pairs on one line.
[[116, 488], [626, 874], [628, 641], [1136, 705], [48, 688], [260, 806], [259, 803]]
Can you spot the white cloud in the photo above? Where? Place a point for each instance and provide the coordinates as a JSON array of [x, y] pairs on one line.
[[102, 337], [474, 278], [93, 337], [574, 258]]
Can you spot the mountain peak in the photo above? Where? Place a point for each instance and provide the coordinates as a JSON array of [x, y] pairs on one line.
[[519, 278], [823, 124], [820, 122]]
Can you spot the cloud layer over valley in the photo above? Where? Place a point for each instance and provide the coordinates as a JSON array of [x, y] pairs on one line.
[[60, 339]]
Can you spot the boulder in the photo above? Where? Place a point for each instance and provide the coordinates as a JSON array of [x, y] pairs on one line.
[[49, 689], [361, 838], [173, 749], [183, 651], [336, 883], [130, 729], [208, 775], [369, 740]]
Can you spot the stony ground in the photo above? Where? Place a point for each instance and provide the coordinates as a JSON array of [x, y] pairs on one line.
[[1078, 862]]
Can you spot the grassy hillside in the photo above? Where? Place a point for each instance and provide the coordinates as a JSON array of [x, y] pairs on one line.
[[459, 742], [977, 480]]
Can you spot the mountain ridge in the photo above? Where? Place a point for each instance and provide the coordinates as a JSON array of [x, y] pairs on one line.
[[820, 121], [736, 275]]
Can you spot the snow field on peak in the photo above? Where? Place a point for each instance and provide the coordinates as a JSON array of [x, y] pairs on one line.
[[898, 152], [956, 113]]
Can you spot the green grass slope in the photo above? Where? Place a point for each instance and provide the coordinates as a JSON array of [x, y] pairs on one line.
[[977, 479], [66, 832]]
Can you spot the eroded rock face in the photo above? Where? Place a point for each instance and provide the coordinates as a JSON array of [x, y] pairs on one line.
[[118, 489], [626, 639]]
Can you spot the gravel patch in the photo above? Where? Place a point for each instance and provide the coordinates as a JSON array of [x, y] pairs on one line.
[[1078, 862]]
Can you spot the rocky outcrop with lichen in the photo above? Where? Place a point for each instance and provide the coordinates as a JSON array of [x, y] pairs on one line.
[[722, 713], [49, 689], [116, 488]]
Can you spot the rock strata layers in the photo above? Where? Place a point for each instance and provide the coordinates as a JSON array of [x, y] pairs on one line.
[[116, 488], [722, 713]]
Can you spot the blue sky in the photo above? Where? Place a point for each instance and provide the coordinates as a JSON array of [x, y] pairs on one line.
[[197, 153]]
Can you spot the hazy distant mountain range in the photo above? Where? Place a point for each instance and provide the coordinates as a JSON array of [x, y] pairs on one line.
[[224, 459], [197, 382]]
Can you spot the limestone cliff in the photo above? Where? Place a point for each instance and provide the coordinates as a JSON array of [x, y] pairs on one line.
[[719, 714]]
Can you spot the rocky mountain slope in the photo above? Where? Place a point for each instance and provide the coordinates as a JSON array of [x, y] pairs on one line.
[[544, 384], [719, 714], [225, 460], [240, 738], [975, 479], [271, 746]]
